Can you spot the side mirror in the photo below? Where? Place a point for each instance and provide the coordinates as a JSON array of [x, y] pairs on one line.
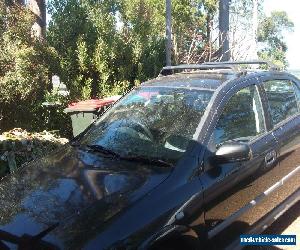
[[232, 152]]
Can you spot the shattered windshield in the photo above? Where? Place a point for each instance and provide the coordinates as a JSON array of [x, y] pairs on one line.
[[151, 122]]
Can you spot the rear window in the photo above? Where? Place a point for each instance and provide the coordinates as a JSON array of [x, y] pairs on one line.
[[282, 99]]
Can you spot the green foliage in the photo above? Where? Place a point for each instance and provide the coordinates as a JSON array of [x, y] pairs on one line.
[[18, 60], [119, 88], [26, 65], [102, 48], [272, 27], [271, 32], [84, 36], [25, 78], [102, 44]]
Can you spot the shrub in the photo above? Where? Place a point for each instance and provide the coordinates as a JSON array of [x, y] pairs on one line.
[[26, 66]]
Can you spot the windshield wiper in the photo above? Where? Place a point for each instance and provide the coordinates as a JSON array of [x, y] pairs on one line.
[[103, 150], [28, 241], [152, 161], [146, 160]]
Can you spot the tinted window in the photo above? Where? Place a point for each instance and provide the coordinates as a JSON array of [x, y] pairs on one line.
[[242, 117], [282, 99]]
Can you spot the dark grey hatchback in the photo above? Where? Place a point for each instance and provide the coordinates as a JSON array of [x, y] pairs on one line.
[[189, 160]]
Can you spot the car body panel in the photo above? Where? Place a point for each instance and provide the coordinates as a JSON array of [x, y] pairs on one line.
[[231, 186], [255, 178], [77, 189]]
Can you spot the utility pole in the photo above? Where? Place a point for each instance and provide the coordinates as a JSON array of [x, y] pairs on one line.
[[224, 30], [168, 32]]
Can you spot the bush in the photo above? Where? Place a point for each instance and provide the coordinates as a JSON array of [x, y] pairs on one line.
[[26, 66]]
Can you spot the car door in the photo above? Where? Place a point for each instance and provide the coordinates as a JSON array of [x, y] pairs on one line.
[[283, 108], [232, 186]]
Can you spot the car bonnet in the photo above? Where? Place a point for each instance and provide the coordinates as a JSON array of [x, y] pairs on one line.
[[78, 190]]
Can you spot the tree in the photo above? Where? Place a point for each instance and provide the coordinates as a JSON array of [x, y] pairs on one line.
[[271, 34], [192, 30], [93, 54], [25, 66], [121, 43], [244, 16], [267, 32]]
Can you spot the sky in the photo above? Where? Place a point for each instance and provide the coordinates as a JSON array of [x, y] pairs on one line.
[[293, 39]]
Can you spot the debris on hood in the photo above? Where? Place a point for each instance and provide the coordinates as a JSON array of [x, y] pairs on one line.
[[18, 147]]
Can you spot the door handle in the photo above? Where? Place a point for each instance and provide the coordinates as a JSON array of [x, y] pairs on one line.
[[270, 158]]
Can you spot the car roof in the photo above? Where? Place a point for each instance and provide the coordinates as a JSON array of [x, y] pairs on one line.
[[209, 80]]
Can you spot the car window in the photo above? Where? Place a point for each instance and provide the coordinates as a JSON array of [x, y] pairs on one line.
[[242, 118], [151, 122], [297, 90], [282, 99]]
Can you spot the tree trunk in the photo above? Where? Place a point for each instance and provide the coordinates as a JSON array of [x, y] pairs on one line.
[[224, 30], [254, 30], [208, 28], [38, 8], [168, 32]]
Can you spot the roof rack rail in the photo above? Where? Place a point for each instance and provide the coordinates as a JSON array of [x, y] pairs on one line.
[[169, 70], [270, 65]]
